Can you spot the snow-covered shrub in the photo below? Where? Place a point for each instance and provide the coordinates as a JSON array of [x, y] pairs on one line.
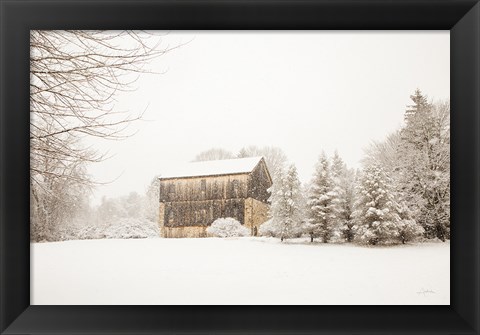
[[117, 228], [270, 228], [89, 233], [410, 231], [227, 227], [132, 228]]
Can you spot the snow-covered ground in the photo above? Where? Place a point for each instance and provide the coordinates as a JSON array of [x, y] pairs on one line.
[[237, 271]]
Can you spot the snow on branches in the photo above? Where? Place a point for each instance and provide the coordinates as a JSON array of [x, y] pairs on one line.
[[375, 215], [286, 203], [321, 207]]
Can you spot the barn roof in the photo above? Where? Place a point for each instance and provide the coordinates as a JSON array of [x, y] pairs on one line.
[[214, 168]]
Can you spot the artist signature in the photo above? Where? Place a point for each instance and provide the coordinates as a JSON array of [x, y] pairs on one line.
[[424, 292]]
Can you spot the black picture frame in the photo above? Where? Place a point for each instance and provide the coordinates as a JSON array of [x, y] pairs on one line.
[[461, 17]]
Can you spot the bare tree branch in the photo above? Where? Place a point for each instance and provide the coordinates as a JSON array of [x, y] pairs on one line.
[[75, 76]]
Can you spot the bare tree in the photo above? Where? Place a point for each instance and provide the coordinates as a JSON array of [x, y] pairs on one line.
[[74, 77], [275, 158], [213, 155]]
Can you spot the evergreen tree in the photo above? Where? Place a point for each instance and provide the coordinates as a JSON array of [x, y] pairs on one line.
[[376, 217], [409, 229], [339, 193], [420, 105], [286, 202], [322, 216], [349, 183], [273, 226]]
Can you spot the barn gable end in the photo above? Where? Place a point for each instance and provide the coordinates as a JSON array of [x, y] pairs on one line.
[[259, 181]]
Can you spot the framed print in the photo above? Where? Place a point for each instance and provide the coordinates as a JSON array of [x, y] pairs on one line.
[[240, 166]]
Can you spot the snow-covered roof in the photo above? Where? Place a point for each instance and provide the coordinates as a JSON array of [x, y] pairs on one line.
[[213, 168]]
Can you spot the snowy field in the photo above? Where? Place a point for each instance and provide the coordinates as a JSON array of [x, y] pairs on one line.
[[237, 271]]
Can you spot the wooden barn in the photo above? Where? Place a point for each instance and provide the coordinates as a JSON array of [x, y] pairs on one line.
[[194, 196]]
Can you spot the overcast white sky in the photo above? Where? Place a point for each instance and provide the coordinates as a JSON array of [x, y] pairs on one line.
[[301, 91]]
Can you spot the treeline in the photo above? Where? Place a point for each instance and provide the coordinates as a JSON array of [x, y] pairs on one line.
[[129, 216], [402, 193]]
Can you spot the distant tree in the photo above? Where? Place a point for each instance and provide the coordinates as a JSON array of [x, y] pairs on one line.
[[110, 209], [134, 205], [119, 217], [213, 155], [275, 158], [152, 201]]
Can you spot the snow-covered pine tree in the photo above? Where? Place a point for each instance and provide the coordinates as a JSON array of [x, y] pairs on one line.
[[275, 212], [286, 200], [340, 206], [349, 183], [375, 215], [304, 226], [321, 210], [420, 105]]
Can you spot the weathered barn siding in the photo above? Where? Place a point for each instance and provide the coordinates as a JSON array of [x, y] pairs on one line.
[[189, 205], [184, 232], [204, 188], [176, 232], [202, 213], [199, 201]]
